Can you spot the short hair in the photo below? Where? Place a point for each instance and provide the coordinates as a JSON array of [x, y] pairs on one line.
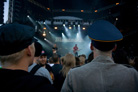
[[55, 58], [50, 60], [13, 58]]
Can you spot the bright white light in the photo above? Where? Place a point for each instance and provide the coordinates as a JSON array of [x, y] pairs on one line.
[[63, 24], [116, 18], [70, 27], [55, 28], [45, 39], [63, 36], [28, 16], [83, 28], [44, 34]]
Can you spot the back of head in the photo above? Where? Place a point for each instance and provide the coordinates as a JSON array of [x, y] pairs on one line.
[[50, 60], [55, 58], [14, 38], [104, 35], [69, 62], [82, 60], [77, 61]]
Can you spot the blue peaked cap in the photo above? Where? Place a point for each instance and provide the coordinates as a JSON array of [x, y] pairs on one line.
[[104, 31], [104, 35]]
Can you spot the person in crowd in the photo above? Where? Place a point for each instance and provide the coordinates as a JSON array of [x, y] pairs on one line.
[[35, 68], [90, 58], [16, 55], [102, 74], [77, 61], [56, 69], [50, 62], [82, 60], [120, 56], [62, 60], [42, 61], [69, 62], [54, 48]]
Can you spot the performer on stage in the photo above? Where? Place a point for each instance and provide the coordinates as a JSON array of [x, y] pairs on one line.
[[75, 50], [54, 48]]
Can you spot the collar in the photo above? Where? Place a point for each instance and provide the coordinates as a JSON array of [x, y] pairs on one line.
[[103, 59]]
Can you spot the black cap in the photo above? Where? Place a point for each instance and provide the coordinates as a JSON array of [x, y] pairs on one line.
[[14, 38], [104, 35], [38, 49], [43, 54]]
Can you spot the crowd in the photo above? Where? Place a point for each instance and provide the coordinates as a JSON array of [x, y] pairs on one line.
[[25, 66]]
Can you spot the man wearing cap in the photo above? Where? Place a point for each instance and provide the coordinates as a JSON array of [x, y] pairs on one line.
[[102, 74], [37, 69], [16, 54]]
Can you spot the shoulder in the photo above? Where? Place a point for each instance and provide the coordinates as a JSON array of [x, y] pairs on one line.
[[38, 83], [42, 70]]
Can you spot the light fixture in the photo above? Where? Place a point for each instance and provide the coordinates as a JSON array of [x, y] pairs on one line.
[[70, 27], [63, 9], [83, 28], [48, 8], [96, 11], [63, 24], [117, 3], [82, 10], [55, 28], [44, 33], [44, 28]]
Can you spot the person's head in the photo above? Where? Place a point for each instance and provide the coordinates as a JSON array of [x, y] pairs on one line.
[[16, 45], [69, 62], [82, 60], [90, 57], [55, 58], [55, 45], [77, 61], [62, 60], [76, 45], [50, 60], [104, 36], [42, 59], [38, 49]]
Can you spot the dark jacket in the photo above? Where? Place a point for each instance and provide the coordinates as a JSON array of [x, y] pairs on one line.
[[22, 81]]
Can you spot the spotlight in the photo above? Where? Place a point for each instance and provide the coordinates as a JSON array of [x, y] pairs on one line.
[[45, 39], [117, 3], [44, 28], [70, 27], [83, 28], [63, 24], [44, 33], [63, 9], [55, 28], [96, 11], [28, 16], [82, 10], [116, 19]]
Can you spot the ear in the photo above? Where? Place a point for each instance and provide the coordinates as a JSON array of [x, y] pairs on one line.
[[114, 47], [28, 51], [91, 47]]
